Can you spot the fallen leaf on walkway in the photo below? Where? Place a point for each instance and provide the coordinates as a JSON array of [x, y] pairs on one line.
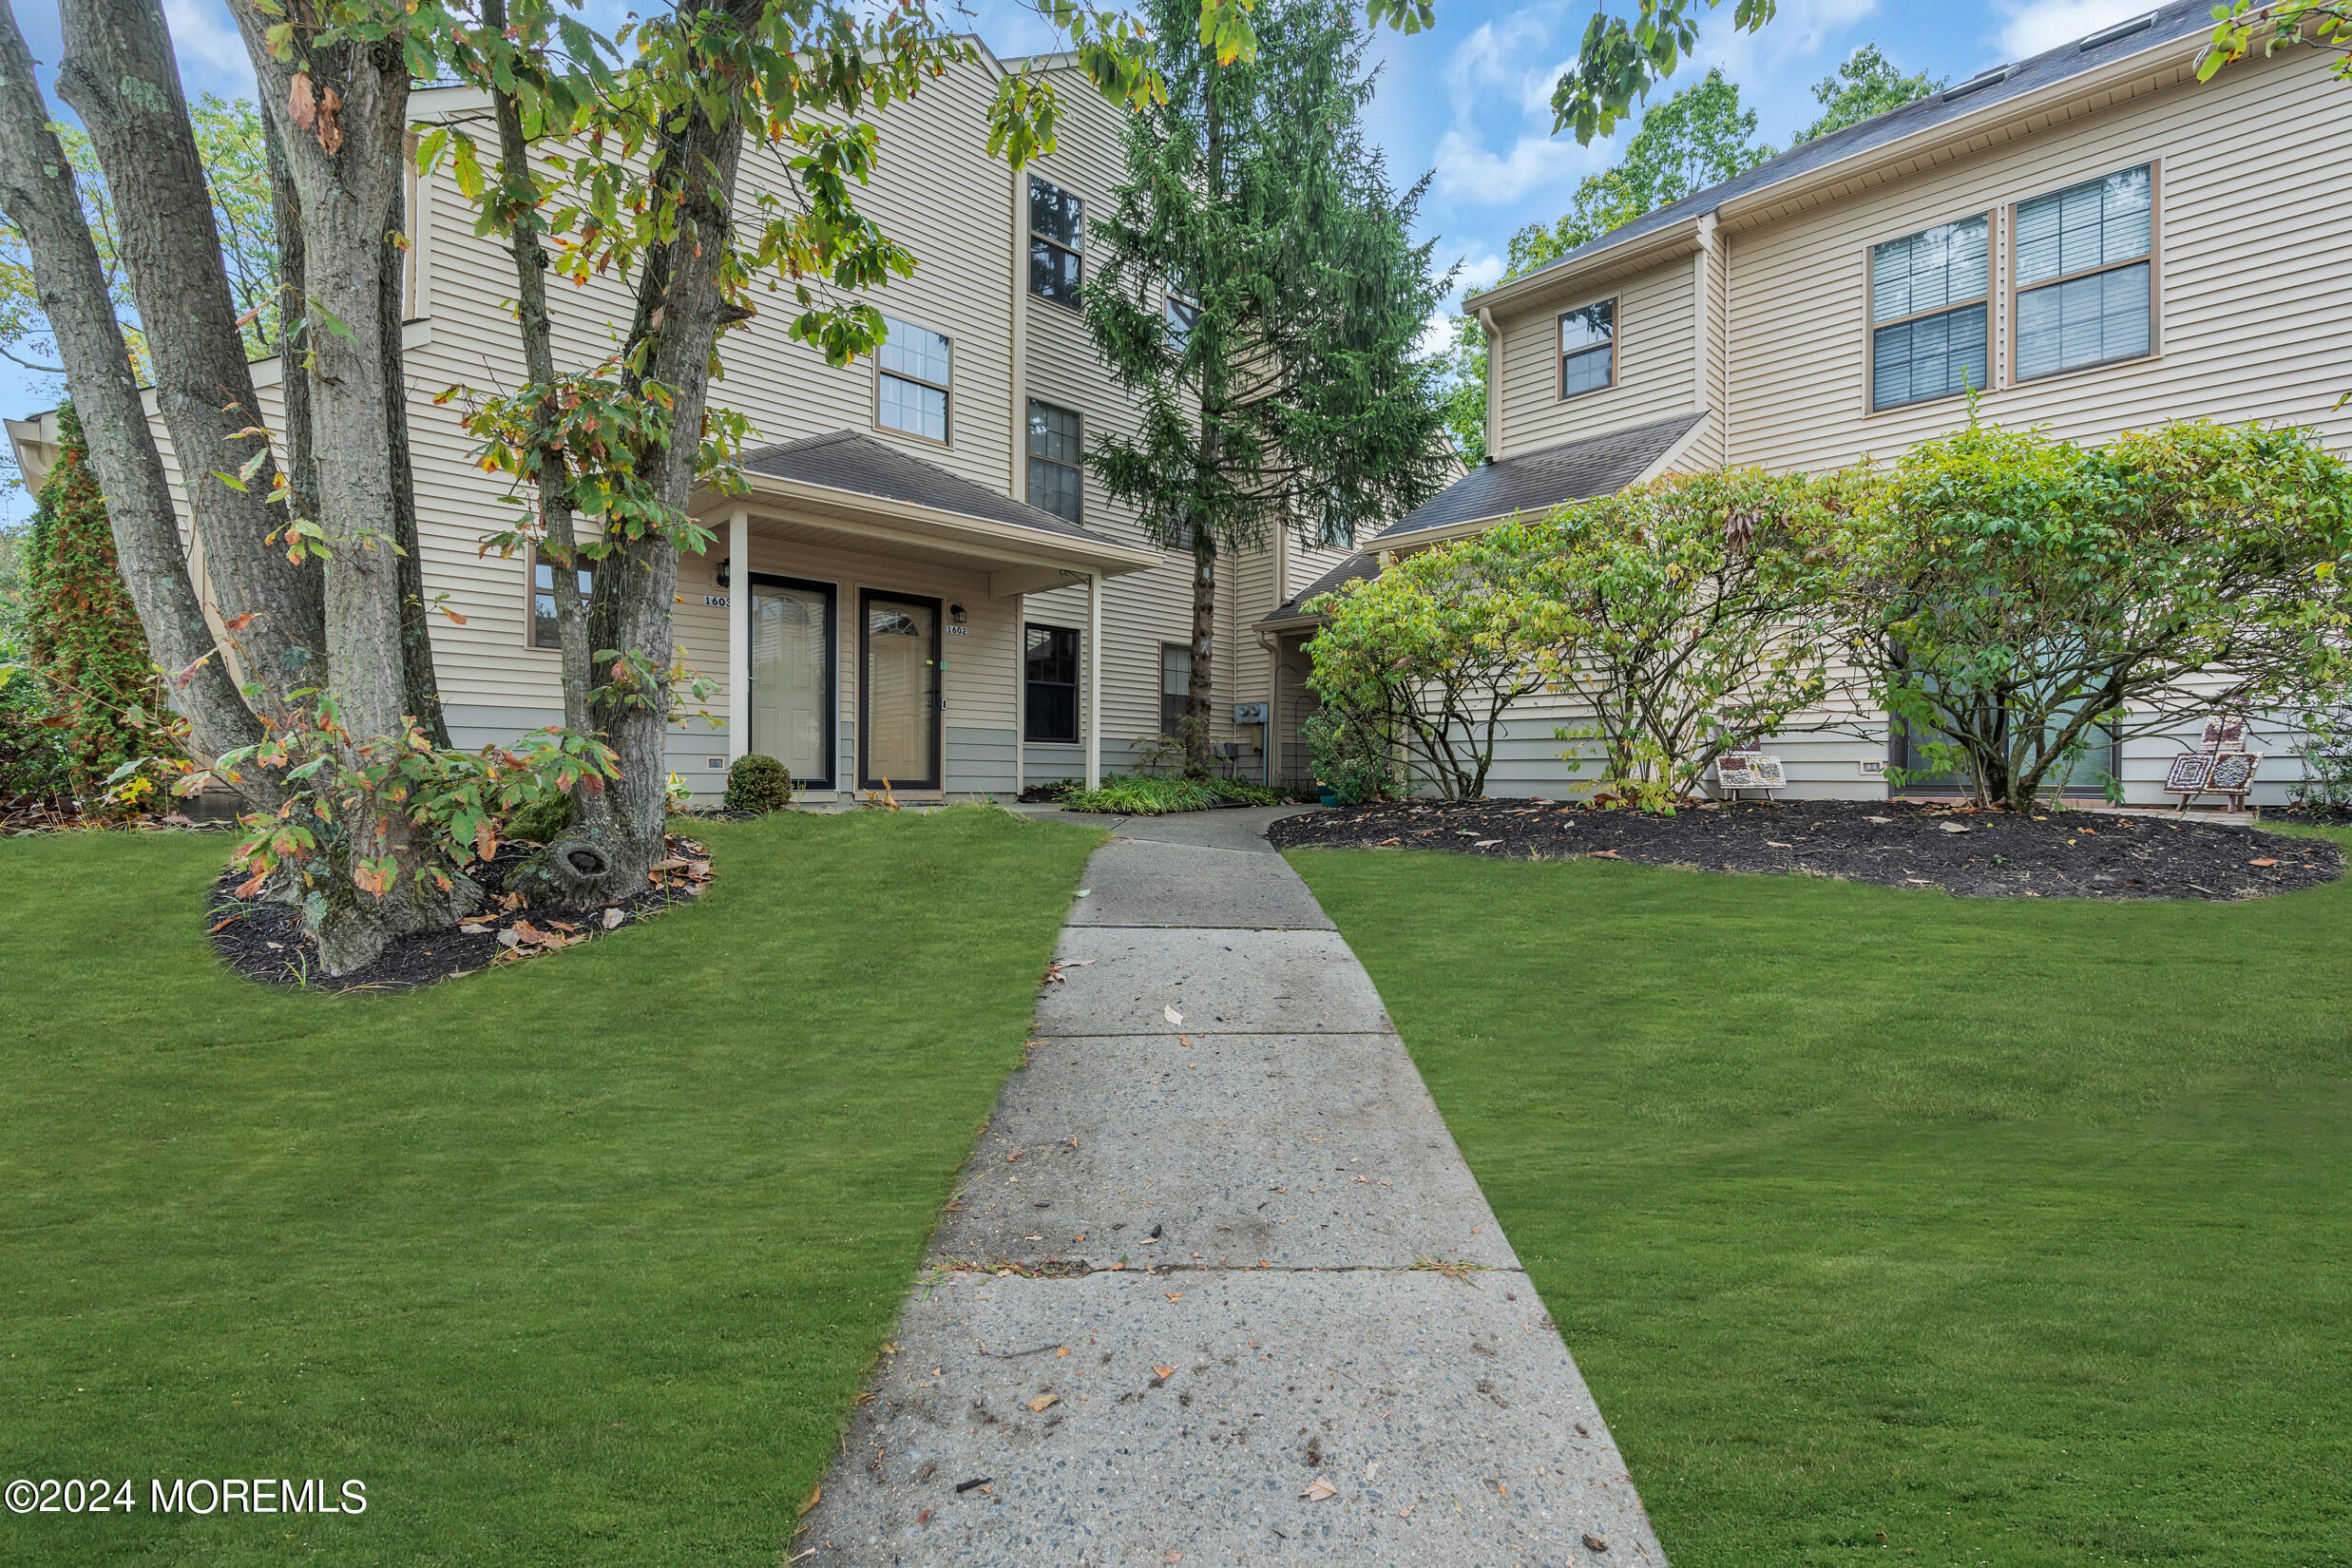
[[1172, 1015], [1319, 1490], [1041, 1401], [1163, 1371], [1015, 1155], [1406, 1512], [1172, 1554], [924, 1518], [1371, 1470], [815, 1493], [1594, 1544], [1059, 1350]]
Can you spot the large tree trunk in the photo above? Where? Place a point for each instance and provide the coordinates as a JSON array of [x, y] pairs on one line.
[[416, 673], [1198, 760], [342, 126], [39, 193], [120, 76], [590, 862]]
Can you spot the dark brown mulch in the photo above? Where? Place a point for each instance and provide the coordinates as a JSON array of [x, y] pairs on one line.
[[265, 942], [2065, 855]]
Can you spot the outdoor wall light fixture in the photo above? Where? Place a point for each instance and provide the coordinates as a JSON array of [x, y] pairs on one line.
[[955, 613], [719, 573]]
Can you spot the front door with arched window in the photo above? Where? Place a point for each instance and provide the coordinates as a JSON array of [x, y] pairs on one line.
[[899, 698]]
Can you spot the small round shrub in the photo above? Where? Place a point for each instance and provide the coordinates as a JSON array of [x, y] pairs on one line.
[[757, 783]]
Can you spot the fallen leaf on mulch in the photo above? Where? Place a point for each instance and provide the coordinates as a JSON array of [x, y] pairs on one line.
[[2265, 861], [1319, 1490], [1604, 854]]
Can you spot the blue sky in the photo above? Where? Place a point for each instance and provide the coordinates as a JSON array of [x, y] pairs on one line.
[[1470, 99]]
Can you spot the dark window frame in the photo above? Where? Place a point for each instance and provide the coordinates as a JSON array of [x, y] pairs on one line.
[[1166, 696], [1872, 326], [554, 642], [833, 672], [1055, 247], [1076, 685], [1077, 470], [1588, 350], [2149, 258]]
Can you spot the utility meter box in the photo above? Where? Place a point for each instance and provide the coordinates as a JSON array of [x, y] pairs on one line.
[[1249, 713]]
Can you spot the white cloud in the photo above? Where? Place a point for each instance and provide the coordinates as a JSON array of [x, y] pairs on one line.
[[202, 35], [1800, 30], [2046, 23], [1468, 171], [1481, 269]]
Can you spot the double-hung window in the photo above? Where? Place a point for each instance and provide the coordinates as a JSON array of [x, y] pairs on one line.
[[2086, 275], [544, 632], [1928, 335], [1184, 314], [1049, 703], [1055, 445], [1588, 354], [912, 368], [1057, 238], [1176, 686]]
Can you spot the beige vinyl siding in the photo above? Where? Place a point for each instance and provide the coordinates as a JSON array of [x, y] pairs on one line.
[[1657, 361], [2249, 235]]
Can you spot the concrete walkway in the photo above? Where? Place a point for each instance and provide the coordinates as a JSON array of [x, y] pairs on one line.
[[1203, 1297]]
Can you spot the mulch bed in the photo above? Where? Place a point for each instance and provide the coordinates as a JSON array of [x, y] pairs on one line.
[[1960, 849], [265, 942]]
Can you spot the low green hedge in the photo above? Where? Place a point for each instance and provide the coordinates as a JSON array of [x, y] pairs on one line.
[[1154, 795]]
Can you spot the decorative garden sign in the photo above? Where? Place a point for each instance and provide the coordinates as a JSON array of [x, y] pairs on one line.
[[1739, 771], [2188, 774]]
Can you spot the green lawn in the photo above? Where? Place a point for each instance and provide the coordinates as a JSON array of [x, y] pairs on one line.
[[578, 1262], [2016, 1230]]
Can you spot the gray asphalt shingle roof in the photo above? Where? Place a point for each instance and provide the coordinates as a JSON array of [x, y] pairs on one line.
[[849, 460], [1574, 470], [1356, 568], [2172, 22]]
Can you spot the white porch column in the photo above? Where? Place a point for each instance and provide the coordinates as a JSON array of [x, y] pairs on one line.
[[738, 635], [1021, 695], [1094, 681]]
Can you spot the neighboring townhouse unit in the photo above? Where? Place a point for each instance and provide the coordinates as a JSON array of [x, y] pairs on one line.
[[922, 585], [2090, 239]]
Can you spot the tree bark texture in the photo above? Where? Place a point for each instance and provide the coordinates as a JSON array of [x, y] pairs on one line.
[[343, 125], [40, 195], [120, 76], [416, 673]]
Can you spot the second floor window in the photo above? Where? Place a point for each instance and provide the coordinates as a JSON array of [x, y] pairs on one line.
[[1588, 354], [2086, 278], [544, 632], [1184, 314], [1055, 445], [1057, 225], [910, 394], [1049, 702], [1927, 315]]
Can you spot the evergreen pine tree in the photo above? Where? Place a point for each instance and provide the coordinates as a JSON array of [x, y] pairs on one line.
[[83, 637], [1261, 298]]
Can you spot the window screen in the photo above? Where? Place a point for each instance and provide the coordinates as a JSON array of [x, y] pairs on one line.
[[544, 633], [1927, 313], [1050, 706], [1055, 445], [1057, 225], [913, 364], [2087, 247], [1588, 348], [1176, 686]]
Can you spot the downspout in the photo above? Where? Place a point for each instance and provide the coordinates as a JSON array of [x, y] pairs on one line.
[[1494, 392]]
